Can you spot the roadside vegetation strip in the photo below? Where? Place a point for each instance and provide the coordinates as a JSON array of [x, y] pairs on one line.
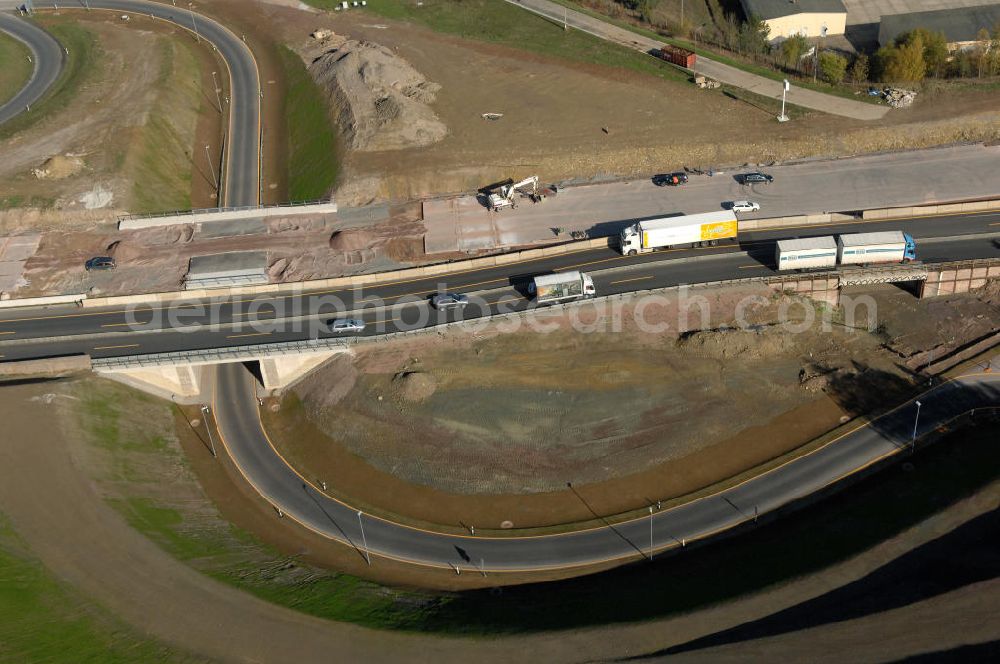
[[312, 145], [751, 68], [502, 23], [159, 155], [42, 620], [83, 64], [152, 483], [16, 69]]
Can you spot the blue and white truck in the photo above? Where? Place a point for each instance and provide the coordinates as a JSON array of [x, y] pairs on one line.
[[850, 249]]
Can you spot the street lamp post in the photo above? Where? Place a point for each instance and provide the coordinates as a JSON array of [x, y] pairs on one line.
[[211, 169], [208, 426], [193, 24], [650, 532], [913, 438], [218, 98], [364, 539], [784, 91]]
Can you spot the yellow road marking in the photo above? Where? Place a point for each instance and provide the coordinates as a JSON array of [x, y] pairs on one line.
[[125, 324], [113, 347], [995, 224], [248, 334], [749, 267], [506, 299], [8, 332], [625, 281]]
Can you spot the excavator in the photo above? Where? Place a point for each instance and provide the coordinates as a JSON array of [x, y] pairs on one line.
[[502, 195]]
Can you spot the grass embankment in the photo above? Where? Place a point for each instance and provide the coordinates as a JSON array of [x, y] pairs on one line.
[[82, 64], [137, 434], [312, 144], [43, 621], [16, 69], [160, 155], [503, 23]]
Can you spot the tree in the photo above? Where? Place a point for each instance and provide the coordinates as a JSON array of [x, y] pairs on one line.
[[832, 67], [903, 63], [753, 36], [792, 50], [935, 48], [859, 69]]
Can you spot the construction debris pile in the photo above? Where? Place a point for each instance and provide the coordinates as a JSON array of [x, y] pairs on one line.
[[381, 101], [898, 98]]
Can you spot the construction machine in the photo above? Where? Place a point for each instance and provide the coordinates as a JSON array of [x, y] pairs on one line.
[[503, 195]]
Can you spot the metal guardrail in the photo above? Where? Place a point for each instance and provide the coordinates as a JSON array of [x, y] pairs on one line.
[[219, 210]]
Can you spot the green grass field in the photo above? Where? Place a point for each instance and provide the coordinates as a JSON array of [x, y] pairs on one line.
[[82, 64], [42, 620], [312, 144], [16, 69], [502, 23]]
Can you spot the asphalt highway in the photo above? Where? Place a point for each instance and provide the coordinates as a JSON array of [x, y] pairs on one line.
[[399, 306], [47, 57], [239, 423], [242, 172]]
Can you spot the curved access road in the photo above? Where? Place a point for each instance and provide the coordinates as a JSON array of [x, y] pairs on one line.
[[243, 435], [242, 172], [47, 57]]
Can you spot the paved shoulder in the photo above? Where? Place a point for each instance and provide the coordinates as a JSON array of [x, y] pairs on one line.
[[46, 55], [722, 72]]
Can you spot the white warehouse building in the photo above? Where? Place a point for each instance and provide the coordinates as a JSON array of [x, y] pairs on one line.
[[809, 18]]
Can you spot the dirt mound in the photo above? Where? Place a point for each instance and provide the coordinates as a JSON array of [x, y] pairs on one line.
[[324, 389], [752, 343], [414, 386], [354, 239], [58, 167], [383, 103]]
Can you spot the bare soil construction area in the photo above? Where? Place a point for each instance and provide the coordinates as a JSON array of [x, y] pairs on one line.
[[489, 427], [564, 119], [124, 138]]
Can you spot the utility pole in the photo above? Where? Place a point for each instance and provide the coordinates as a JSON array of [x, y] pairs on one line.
[[913, 438], [364, 539], [208, 426]]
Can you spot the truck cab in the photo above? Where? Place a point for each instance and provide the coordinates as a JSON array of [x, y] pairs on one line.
[[910, 253], [631, 240]]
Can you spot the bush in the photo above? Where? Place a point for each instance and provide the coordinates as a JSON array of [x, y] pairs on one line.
[[902, 63], [832, 67], [792, 50], [860, 69]]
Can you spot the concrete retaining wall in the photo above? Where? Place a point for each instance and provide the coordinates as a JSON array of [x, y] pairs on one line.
[[42, 301], [929, 210], [959, 279], [226, 215]]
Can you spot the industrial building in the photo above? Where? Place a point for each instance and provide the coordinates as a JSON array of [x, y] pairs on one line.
[[809, 18], [960, 25]]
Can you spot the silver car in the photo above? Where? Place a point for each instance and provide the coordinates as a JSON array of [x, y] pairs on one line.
[[443, 301], [346, 326], [745, 206]]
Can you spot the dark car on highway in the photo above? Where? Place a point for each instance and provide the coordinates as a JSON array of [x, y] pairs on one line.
[[670, 179], [100, 263], [750, 178]]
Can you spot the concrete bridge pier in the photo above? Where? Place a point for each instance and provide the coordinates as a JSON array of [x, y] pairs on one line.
[[183, 383]]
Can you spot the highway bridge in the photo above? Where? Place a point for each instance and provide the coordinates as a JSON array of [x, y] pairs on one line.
[[111, 333]]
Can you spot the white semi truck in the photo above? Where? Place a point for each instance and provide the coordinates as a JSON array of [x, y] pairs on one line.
[[694, 230], [850, 249], [806, 254], [562, 287]]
